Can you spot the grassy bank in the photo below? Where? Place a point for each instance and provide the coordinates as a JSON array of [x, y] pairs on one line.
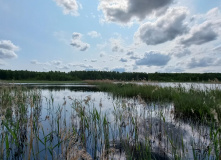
[[189, 103]]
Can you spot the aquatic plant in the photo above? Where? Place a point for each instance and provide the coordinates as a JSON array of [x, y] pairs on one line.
[[144, 126]]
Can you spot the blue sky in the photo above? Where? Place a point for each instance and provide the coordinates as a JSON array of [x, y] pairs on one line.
[[111, 35]]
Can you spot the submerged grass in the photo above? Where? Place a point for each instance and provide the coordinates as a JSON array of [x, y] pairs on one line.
[[133, 129]]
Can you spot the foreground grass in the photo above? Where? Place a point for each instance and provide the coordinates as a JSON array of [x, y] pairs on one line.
[[188, 103], [92, 134]]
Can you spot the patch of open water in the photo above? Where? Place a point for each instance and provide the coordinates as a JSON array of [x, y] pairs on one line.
[[74, 107]]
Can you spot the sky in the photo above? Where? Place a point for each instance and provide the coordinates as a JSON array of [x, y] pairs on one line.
[[169, 36]]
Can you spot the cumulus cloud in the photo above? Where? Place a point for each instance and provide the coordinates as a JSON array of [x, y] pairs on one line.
[[123, 60], [134, 57], [69, 6], [166, 28], [7, 49], [102, 54], [130, 53], [56, 62], [218, 48], [124, 11], [36, 62], [93, 60], [213, 14], [116, 44], [63, 67], [80, 65], [179, 51], [208, 30], [94, 34], [203, 62], [153, 59], [77, 43], [200, 34]]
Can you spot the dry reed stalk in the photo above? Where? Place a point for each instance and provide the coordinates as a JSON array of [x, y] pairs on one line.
[[73, 151], [31, 136], [2, 147]]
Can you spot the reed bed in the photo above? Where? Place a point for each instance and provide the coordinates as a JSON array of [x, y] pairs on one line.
[[143, 122], [189, 103]]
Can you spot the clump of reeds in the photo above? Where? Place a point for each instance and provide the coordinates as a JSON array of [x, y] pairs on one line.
[[188, 103]]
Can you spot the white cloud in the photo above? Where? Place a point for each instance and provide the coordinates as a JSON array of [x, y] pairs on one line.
[[94, 34], [180, 51], [116, 44], [69, 6], [206, 31], [56, 62], [63, 67], [36, 62], [204, 62], [154, 59], [77, 43], [166, 28], [218, 48], [7, 49], [93, 60], [130, 53], [124, 11], [123, 60], [102, 54], [200, 34], [80, 65], [134, 57]]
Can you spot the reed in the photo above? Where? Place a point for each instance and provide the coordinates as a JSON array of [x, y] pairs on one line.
[[143, 126], [192, 103]]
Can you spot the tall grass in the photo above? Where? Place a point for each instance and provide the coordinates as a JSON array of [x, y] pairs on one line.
[[189, 103], [141, 127]]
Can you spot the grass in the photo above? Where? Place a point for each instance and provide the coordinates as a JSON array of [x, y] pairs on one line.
[[189, 103], [143, 126]]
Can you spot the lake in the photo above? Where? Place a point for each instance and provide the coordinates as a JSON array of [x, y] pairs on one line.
[[73, 121]]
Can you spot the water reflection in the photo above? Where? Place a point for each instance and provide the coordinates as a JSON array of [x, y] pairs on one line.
[[79, 121], [187, 85]]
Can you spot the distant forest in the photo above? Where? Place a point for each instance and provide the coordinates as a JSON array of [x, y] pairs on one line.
[[112, 75]]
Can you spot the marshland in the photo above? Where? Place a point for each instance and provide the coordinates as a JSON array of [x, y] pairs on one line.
[[105, 120]]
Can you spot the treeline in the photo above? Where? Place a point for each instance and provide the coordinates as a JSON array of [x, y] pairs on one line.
[[112, 75], [70, 76], [184, 77]]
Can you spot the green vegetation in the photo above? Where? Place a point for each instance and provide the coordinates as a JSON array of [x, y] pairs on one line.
[[41, 82], [112, 75], [70, 76], [185, 77], [145, 126], [191, 102]]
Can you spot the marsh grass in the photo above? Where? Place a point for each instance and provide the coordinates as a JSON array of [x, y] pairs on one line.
[[144, 126], [21, 130], [189, 103]]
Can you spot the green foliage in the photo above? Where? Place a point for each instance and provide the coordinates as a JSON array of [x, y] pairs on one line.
[[70, 76], [194, 103]]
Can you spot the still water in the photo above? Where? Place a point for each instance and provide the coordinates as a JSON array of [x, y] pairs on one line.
[[187, 85], [80, 121]]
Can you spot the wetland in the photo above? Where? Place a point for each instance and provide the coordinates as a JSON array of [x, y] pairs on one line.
[[103, 120]]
